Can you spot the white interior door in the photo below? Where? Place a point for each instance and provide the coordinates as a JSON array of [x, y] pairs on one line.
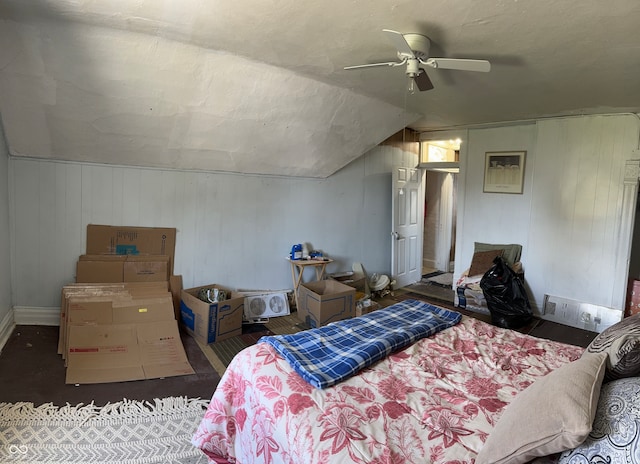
[[406, 228]]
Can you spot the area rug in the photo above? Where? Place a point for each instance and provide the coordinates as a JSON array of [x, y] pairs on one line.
[[444, 279], [127, 432], [431, 291], [221, 353]]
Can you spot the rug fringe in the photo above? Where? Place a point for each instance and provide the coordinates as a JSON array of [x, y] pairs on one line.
[[83, 412]]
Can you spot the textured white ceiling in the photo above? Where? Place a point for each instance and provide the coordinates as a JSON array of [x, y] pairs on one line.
[[258, 86]]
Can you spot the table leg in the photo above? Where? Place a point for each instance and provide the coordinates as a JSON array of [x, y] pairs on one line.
[[320, 271], [296, 276]]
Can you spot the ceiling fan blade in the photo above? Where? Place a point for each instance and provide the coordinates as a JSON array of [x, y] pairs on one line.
[[459, 64], [398, 40], [372, 65], [422, 81]]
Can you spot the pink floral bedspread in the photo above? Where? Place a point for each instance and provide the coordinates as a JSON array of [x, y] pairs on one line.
[[433, 402]]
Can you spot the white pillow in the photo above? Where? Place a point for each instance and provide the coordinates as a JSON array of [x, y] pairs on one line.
[[554, 414]]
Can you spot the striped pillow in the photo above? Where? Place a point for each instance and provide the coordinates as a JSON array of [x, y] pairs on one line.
[[621, 342]]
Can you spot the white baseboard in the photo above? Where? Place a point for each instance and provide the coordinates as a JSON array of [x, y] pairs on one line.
[[6, 328], [27, 315]]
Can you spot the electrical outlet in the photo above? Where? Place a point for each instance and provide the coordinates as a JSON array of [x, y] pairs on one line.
[[550, 308]]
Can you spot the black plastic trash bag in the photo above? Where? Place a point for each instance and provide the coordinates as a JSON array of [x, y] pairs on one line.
[[506, 297]]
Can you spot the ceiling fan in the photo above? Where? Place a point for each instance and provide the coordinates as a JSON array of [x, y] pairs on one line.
[[413, 50]]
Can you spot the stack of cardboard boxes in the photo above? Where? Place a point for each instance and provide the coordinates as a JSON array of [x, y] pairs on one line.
[[117, 322], [127, 254]]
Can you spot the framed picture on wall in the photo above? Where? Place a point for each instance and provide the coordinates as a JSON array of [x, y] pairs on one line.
[[504, 171]]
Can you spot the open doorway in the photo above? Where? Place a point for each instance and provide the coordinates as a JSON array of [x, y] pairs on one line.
[[440, 159], [439, 236]]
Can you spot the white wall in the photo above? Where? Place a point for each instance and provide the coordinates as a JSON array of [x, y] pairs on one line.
[[568, 217], [5, 264], [234, 230]]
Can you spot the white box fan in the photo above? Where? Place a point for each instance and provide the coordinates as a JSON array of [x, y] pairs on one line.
[[259, 307]]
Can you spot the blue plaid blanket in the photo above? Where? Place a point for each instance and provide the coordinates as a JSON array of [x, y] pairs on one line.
[[327, 355]]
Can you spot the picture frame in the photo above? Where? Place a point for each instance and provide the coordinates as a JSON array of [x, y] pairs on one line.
[[504, 171]]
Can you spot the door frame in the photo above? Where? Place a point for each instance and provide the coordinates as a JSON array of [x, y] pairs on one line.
[[444, 233], [442, 240]]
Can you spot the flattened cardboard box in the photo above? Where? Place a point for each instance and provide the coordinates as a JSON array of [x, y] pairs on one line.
[[325, 301], [211, 322], [116, 309], [103, 292], [146, 268], [132, 289], [123, 352], [120, 268], [99, 269], [175, 287], [125, 240], [161, 350], [118, 338], [103, 353]]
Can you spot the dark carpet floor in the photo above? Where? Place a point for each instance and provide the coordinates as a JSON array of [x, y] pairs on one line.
[[32, 371]]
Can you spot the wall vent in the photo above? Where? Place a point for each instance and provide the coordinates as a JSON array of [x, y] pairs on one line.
[[578, 314]]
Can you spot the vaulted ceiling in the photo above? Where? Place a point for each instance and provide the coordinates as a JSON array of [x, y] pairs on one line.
[[259, 87]]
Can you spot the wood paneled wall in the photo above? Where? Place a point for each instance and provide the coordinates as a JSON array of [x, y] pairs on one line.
[[234, 230], [568, 218]]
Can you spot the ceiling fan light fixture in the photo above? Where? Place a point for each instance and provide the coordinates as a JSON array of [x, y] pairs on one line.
[[413, 50], [412, 67]]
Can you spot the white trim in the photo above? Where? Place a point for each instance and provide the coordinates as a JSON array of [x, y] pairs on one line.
[[6, 328], [29, 315], [625, 232]]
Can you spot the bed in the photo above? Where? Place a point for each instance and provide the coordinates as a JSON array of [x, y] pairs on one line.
[[454, 397]]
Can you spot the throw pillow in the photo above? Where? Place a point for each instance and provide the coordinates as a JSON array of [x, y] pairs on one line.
[[511, 255], [552, 415], [615, 436], [621, 342], [482, 261]]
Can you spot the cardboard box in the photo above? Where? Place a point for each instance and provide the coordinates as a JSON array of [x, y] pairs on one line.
[[118, 334], [633, 298], [161, 350], [142, 310], [100, 269], [123, 352], [211, 322], [123, 240], [115, 308], [133, 290], [366, 306], [103, 353], [175, 287], [120, 268], [325, 301], [351, 279], [146, 269]]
